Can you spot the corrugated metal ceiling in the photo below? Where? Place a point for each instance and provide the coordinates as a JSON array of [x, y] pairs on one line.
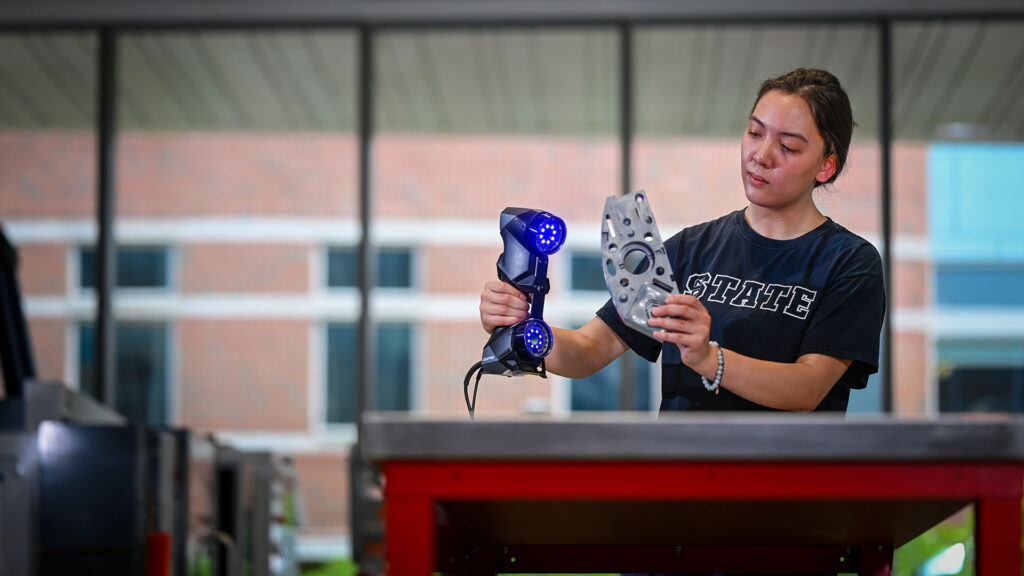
[[952, 79]]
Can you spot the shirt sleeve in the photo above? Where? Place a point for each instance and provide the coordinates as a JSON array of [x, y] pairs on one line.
[[639, 342], [847, 323]]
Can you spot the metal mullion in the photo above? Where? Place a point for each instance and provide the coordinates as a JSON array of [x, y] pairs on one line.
[[366, 361], [628, 384], [106, 244], [885, 142]]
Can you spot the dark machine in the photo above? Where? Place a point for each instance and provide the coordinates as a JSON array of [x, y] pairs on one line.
[[85, 491], [256, 513]]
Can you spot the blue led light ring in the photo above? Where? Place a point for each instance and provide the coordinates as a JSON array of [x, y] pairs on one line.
[[546, 233], [536, 337]]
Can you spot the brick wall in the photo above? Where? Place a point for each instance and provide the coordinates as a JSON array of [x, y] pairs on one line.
[[48, 347], [244, 374], [47, 175], [245, 268], [324, 484], [473, 177], [909, 351], [42, 269], [236, 174]]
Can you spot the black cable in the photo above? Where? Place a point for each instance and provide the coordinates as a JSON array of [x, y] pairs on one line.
[[471, 406]]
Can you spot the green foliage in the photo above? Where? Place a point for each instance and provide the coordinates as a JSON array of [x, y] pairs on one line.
[[339, 567], [913, 555], [202, 566]]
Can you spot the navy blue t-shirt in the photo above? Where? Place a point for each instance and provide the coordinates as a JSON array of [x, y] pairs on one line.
[[776, 300]]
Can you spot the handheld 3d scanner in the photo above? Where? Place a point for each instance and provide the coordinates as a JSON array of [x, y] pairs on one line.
[[529, 237]]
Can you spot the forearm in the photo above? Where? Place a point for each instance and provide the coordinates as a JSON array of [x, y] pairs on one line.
[[581, 353], [798, 386]]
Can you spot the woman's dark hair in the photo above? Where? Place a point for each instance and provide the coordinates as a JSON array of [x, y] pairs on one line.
[[829, 104]]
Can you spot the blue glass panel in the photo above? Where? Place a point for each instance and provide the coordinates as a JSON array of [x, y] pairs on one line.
[[137, 267], [141, 369], [601, 391], [342, 268], [394, 369], [342, 348], [975, 208], [587, 273], [979, 285], [394, 268]]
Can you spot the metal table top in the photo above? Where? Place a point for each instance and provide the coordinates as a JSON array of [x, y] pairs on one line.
[[692, 436]]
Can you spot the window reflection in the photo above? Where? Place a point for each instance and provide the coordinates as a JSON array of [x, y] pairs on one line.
[[959, 129]]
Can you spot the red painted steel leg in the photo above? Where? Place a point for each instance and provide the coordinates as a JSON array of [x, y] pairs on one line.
[[997, 536], [410, 536], [876, 560]]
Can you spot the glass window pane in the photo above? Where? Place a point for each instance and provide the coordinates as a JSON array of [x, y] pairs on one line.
[[472, 121], [394, 370], [48, 176], [342, 351], [959, 124], [980, 285], [981, 374], [342, 268], [142, 369], [587, 273], [394, 366], [237, 152], [394, 267], [993, 389], [137, 267], [602, 391]]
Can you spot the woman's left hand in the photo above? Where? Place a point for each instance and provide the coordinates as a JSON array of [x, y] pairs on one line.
[[684, 321]]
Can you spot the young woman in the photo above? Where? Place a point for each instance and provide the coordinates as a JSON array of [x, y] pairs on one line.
[[780, 307]]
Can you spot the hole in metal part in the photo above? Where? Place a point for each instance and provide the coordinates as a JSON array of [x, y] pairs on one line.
[[662, 285], [627, 221], [613, 248], [659, 270], [624, 282], [639, 198], [637, 258], [649, 237], [610, 266], [611, 228]]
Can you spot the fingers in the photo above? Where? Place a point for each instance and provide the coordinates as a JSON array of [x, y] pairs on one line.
[[498, 289], [501, 305], [679, 305], [499, 296], [687, 309], [683, 320]]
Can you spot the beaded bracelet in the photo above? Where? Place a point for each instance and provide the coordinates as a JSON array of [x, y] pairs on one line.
[[718, 373]]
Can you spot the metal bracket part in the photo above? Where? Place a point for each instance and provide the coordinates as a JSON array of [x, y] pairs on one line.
[[636, 267]]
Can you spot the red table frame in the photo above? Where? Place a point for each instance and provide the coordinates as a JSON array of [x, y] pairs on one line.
[[414, 488]]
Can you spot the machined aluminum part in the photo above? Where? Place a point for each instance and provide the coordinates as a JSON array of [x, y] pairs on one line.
[[636, 267]]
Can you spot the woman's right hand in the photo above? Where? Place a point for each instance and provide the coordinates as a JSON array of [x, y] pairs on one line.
[[502, 305]]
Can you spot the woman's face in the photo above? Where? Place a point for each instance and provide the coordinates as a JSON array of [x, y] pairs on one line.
[[783, 154]]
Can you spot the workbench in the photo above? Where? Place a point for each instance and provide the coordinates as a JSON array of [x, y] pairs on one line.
[[689, 492]]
